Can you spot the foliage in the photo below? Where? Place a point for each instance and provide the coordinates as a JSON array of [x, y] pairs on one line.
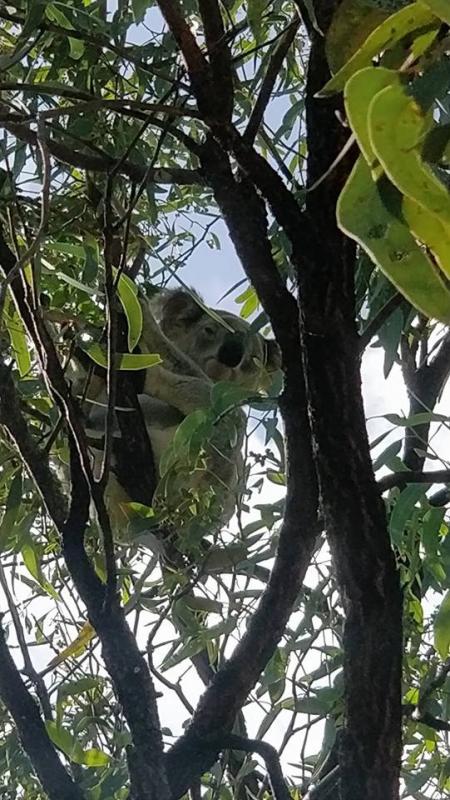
[[101, 168]]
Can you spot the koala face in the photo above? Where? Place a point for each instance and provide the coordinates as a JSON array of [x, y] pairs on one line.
[[223, 346]]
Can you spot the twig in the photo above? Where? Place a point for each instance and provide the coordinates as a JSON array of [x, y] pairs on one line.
[[401, 479], [28, 670], [111, 387], [45, 206], [89, 102], [275, 63]]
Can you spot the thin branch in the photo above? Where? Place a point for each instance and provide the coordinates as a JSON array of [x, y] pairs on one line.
[[28, 667], [270, 757], [403, 478], [275, 63], [26, 257], [94, 163], [90, 102], [424, 385], [111, 385], [123, 659], [56, 782]]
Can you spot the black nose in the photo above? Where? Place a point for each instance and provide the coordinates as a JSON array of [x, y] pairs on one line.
[[232, 350]]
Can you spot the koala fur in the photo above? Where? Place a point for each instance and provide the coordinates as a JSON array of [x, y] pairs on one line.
[[198, 348]]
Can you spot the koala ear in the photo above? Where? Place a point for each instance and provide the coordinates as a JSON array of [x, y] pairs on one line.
[[273, 355], [180, 307]]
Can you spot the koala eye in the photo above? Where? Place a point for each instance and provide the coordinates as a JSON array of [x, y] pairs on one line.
[[209, 330]]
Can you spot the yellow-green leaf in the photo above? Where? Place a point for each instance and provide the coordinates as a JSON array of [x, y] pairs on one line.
[[76, 647], [397, 126], [430, 230], [363, 213], [124, 361], [392, 30], [442, 628], [359, 92], [439, 7]]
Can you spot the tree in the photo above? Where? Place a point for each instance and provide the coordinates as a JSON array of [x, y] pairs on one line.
[[126, 140]]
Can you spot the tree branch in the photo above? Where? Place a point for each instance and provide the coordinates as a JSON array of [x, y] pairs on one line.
[[219, 56], [244, 214], [275, 63], [123, 660], [424, 384], [401, 479], [55, 781]]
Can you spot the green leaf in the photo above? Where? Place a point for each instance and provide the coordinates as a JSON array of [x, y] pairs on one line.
[[19, 344], [363, 213], [403, 510], [442, 628], [359, 93], [139, 8], [415, 419], [77, 284], [397, 126], [255, 11], [12, 508], [127, 291], [124, 361], [77, 48], [31, 560], [70, 745], [226, 396], [90, 268], [412, 18]]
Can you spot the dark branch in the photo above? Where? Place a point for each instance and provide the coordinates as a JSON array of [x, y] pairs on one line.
[[276, 62], [219, 55], [270, 756], [401, 479], [424, 385], [55, 781], [123, 660]]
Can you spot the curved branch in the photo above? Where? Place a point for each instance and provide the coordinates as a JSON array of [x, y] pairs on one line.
[[270, 756], [401, 479], [55, 781]]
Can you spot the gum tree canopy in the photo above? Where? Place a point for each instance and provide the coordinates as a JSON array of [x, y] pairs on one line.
[[303, 651]]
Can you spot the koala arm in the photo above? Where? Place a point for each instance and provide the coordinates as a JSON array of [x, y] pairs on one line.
[[183, 392], [153, 340]]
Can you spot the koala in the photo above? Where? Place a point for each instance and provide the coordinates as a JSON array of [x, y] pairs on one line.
[[198, 347]]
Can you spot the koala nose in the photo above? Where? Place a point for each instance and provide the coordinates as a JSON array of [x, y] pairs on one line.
[[232, 350]]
